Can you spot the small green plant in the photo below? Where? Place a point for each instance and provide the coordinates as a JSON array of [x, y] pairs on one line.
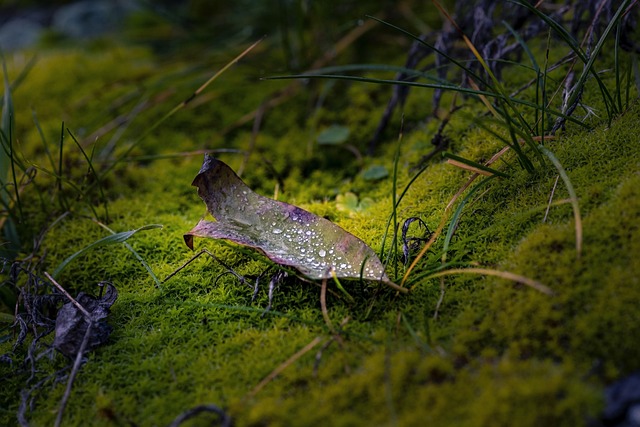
[[349, 203]]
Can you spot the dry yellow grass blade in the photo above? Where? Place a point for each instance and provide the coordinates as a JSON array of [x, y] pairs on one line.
[[502, 274]]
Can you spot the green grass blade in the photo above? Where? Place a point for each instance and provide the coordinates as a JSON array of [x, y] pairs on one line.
[[43, 139], [572, 195], [5, 126], [616, 65], [8, 160], [458, 212], [452, 87], [180, 106], [93, 171], [408, 72], [588, 60], [137, 255], [59, 177], [444, 54], [114, 238], [340, 287], [524, 46], [442, 86]]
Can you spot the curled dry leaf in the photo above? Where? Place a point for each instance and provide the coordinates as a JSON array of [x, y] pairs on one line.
[[287, 234], [72, 324]]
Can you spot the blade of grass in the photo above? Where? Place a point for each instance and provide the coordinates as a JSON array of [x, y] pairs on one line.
[[182, 154], [463, 163], [59, 177], [394, 205], [502, 274], [114, 238], [616, 65], [135, 254], [443, 221], [453, 225], [452, 87], [43, 139], [95, 175], [7, 155], [181, 105], [444, 54], [277, 371], [588, 60], [498, 87], [572, 195], [5, 126], [394, 197], [340, 287]]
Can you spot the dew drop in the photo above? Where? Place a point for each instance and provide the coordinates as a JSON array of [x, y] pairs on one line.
[[322, 253], [276, 231]]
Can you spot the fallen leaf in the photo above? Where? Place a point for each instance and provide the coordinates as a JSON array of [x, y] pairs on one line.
[[286, 234], [72, 323]]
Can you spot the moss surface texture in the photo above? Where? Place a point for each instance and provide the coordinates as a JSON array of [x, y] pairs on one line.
[[488, 351]]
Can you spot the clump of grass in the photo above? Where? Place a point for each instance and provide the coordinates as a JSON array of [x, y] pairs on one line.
[[519, 123]]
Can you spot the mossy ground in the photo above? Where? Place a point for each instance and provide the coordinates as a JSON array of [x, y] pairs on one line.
[[497, 354]]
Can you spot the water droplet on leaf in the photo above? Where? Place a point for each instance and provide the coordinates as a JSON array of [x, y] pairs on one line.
[[253, 223]]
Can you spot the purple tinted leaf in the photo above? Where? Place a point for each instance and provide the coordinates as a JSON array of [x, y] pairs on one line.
[[287, 234]]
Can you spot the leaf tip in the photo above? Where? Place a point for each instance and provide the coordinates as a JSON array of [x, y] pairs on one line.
[[188, 240]]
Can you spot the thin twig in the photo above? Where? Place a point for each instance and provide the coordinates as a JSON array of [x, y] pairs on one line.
[[282, 367], [74, 372], [69, 297], [83, 346], [193, 258], [225, 420]]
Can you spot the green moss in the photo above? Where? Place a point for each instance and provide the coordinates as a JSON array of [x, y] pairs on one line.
[[498, 353]]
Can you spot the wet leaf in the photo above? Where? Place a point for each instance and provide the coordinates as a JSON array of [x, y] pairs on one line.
[[287, 234]]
